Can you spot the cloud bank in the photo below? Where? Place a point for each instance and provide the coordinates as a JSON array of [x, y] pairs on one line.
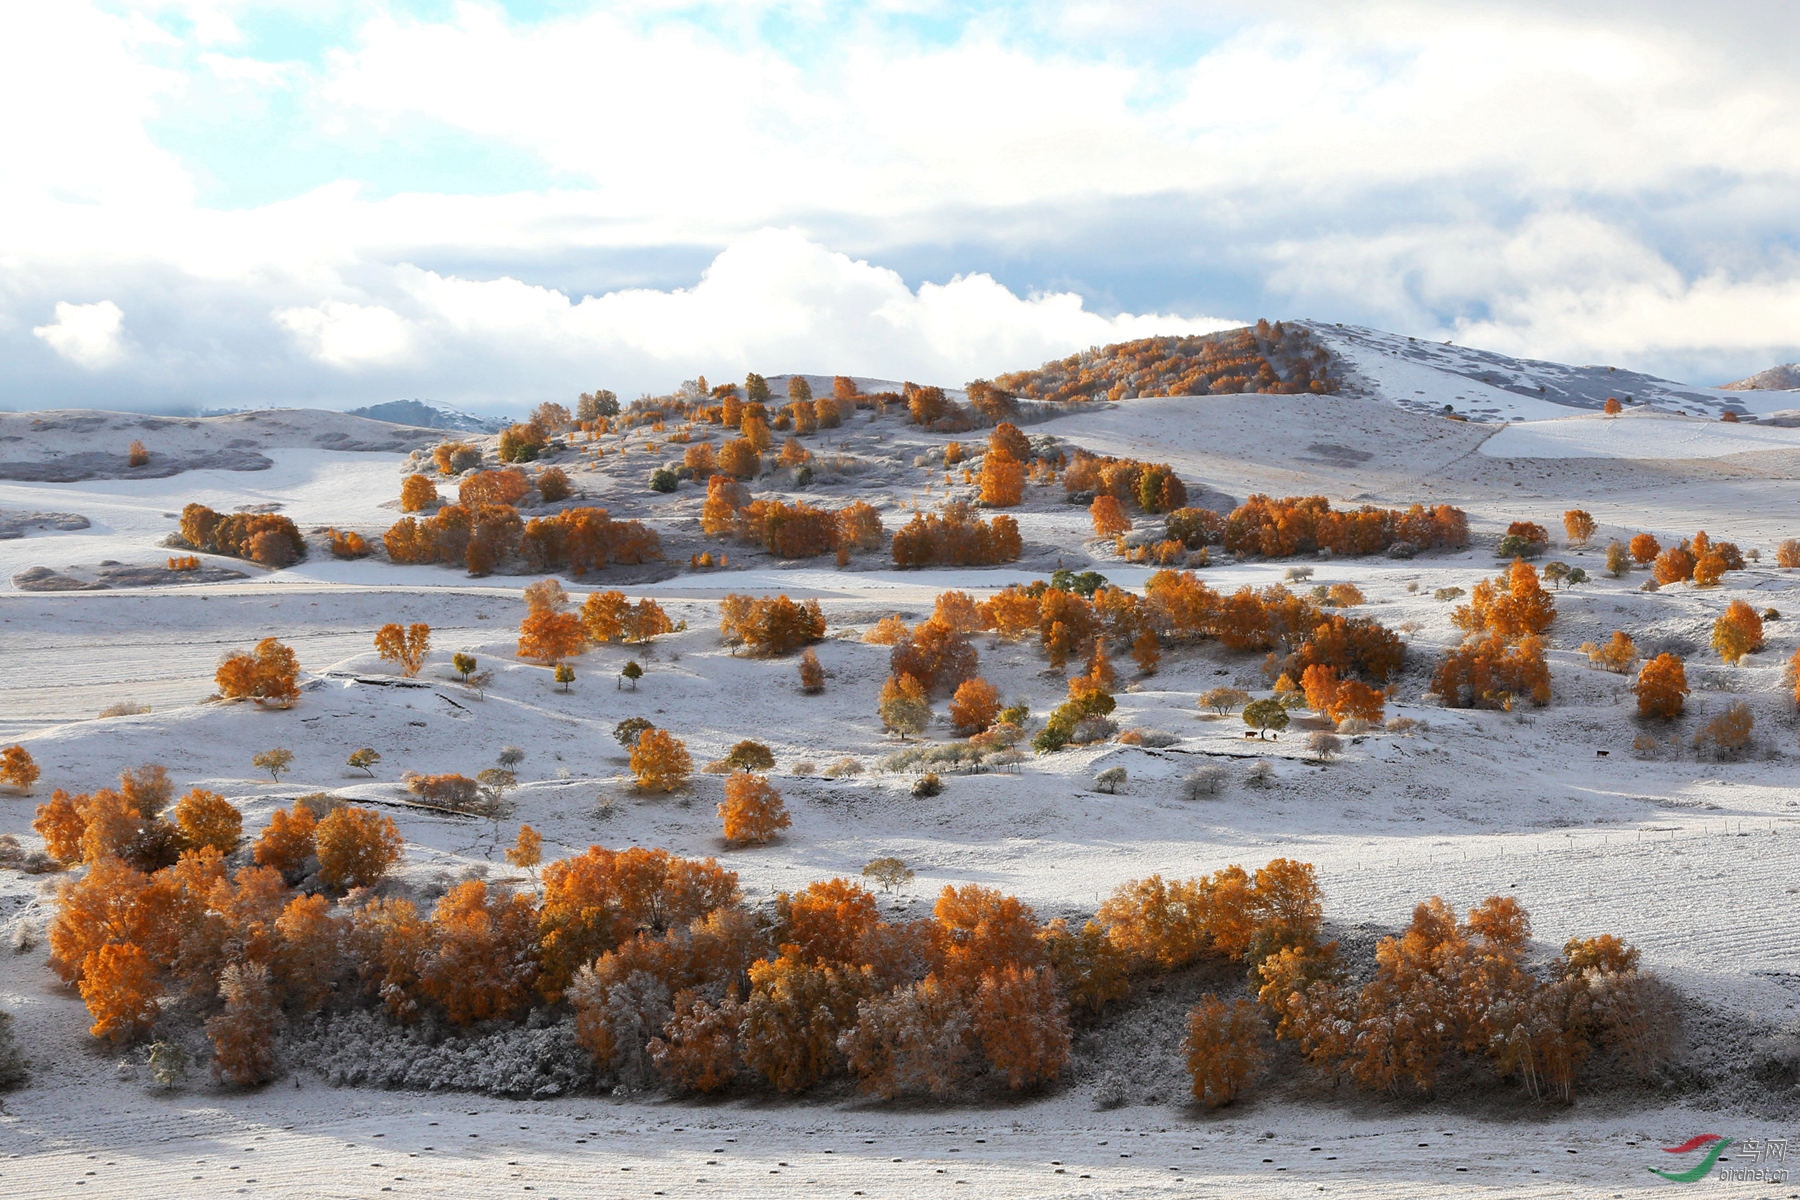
[[225, 202]]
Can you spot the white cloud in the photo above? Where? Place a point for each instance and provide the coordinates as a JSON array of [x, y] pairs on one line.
[[349, 336], [88, 335], [771, 301]]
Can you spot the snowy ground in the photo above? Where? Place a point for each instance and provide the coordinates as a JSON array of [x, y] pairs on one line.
[[1691, 860]]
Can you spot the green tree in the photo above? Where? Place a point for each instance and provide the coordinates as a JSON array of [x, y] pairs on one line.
[[273, 761], [1264, 715]]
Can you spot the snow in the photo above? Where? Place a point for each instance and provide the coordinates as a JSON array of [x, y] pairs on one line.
[[1639, 435], [1484, 386], [1689, 859]]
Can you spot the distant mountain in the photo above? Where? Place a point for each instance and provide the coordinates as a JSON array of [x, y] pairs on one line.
[[429, 416], [1785, 378]]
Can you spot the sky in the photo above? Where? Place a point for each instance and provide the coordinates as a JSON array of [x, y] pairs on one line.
[[239, 203]]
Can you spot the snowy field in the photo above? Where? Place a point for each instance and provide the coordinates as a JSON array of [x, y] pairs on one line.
[[1689, 859]]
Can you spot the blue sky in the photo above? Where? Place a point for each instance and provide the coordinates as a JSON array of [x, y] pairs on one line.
[[229, 202]]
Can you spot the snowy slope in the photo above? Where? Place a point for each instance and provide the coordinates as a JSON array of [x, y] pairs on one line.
[[1485, 386], [1643, 435]]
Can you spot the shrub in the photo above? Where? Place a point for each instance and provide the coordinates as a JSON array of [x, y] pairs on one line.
[[956, 537], [1203, 781], [1110, 781], [553, 485], [1322, 745], [1787, 553], [452, 791], [664, 480], [812, 674], [844, 768], [927, 786]]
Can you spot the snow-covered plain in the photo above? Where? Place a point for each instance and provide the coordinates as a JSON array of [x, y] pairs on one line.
[[1691, 860]]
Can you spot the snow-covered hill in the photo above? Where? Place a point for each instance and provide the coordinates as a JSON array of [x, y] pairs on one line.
[[1784, 378], [429, 416], [1485, 386]]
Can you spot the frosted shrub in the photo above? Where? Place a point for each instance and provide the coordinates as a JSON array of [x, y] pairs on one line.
[[365, 1049], [844, 768], [1110, 780], [1203, 782], [1260, 774]]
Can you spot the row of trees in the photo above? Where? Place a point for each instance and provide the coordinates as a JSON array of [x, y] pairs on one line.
[[1264, 358], [482, 537], [553, 629], [797, 530], [956, 537], [1271, 528]]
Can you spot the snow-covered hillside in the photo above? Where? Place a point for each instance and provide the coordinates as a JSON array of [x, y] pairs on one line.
[[1485, 386]]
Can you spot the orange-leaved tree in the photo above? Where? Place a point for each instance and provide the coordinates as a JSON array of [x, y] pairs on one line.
[[268, 674], [752, 811], [1224, 1048], [903, 705], [1579, 525], [406, 646], [660, 760], [208, 819], [417, 493], [18, 768], [1108, 516], [1737, 632], [974, 706], [1661, 687], [356, 847]]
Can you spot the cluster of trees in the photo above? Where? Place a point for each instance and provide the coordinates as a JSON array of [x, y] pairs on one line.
[[1004, 465], [956, 537], [267, 539], [1447, 993], [268, 674], [1264, 358], [796, 530], [1273, 528], [1699, 559], [481, 536], [1502, 656], [1152, 487], [770, 625], [553, 629]]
